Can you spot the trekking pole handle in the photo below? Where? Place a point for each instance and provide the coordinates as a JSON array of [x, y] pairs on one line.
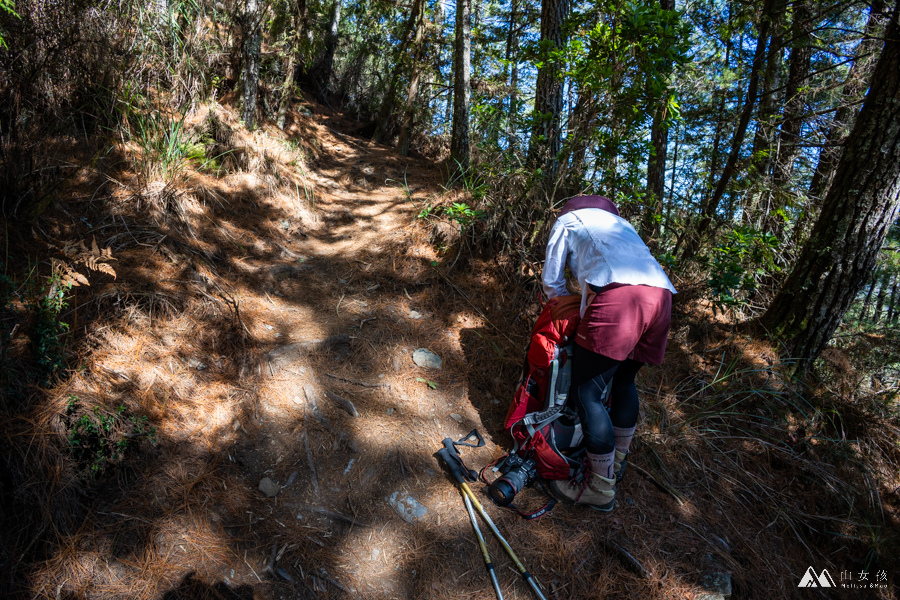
[[453, 465], [450, 448]]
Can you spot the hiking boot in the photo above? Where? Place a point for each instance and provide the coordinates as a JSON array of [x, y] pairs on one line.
[[594, 490], [619, 464]]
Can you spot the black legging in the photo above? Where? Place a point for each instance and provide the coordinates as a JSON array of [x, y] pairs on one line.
[[591, 375]]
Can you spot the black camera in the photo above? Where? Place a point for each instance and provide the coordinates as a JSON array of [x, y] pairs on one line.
[[518, 472]]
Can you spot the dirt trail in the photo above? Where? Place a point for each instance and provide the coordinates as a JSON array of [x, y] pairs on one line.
[[271, 345], [364, 282]]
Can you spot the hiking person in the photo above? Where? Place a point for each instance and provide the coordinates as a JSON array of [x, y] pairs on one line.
[[626, 307]]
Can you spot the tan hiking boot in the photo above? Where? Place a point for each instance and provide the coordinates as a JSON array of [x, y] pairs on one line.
[[595, 491], [619, 464]]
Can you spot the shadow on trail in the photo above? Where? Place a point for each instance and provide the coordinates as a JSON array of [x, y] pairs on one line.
[[183, 335], [214, 329]]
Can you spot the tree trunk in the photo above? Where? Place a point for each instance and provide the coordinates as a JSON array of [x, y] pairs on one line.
[[512, 60], [287, 90], [439, 51], [251, 58], [418, 50], [879, 302], [894, 318], [459, 136], [792, 116], [573, 161], [708, 209], [856, 216], [384, 123], [548, 101], [868, 301], [720, 114], [326, 63], [892, 303], [656, 164], [667, 223], [758, 202]]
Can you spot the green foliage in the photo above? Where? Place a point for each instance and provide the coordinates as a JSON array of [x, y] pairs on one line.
[[428, 382], [47, 330], [463, 215], [743, 257], [7, 6], [161, 141], [99, 440]]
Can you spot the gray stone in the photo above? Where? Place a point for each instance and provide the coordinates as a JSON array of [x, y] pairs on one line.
[[407, 508], [426, 358], [289, 353], [279, 272], [716, 584], [196, 364], [414, 314], [456, 417], [268, 487]]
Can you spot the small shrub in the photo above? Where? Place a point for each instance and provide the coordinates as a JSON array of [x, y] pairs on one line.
[[47, 330], [98, 440], [741, 260], [463, 214]]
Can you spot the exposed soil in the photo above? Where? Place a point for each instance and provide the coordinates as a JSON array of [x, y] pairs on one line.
[[234, 334]]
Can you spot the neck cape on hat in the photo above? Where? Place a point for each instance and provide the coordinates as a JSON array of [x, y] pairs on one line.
[[580, 202]]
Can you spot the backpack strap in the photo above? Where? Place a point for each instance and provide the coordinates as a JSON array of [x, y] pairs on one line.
[[537, 421]]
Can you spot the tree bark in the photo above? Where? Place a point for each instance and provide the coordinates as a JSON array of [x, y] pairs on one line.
[[384, 124], [868, 300], [856, 215], [326, 63], [892, 303], [512, 59], [251, 58], [459, 136], [879, 301], [573, 161], [412, 94], [792, 116], [439, 52], [548, 101], [656, 164], [287, 90]]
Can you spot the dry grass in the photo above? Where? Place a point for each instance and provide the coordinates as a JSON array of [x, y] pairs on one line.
[[741, 471]]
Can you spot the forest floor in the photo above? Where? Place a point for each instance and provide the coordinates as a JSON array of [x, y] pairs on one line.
[[245, 321]]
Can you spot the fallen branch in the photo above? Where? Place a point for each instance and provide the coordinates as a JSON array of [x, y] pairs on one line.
[[343, 403], [336, 516], [312, 466], [661, 485], [630, 562], [359, 383]]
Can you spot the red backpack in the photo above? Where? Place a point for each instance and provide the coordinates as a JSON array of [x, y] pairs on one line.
[[538, 420]]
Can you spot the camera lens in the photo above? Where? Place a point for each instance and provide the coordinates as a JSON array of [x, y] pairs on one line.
[[501, 492]]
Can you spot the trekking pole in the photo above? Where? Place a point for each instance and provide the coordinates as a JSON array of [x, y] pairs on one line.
[[484, 550], [454, 464]]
